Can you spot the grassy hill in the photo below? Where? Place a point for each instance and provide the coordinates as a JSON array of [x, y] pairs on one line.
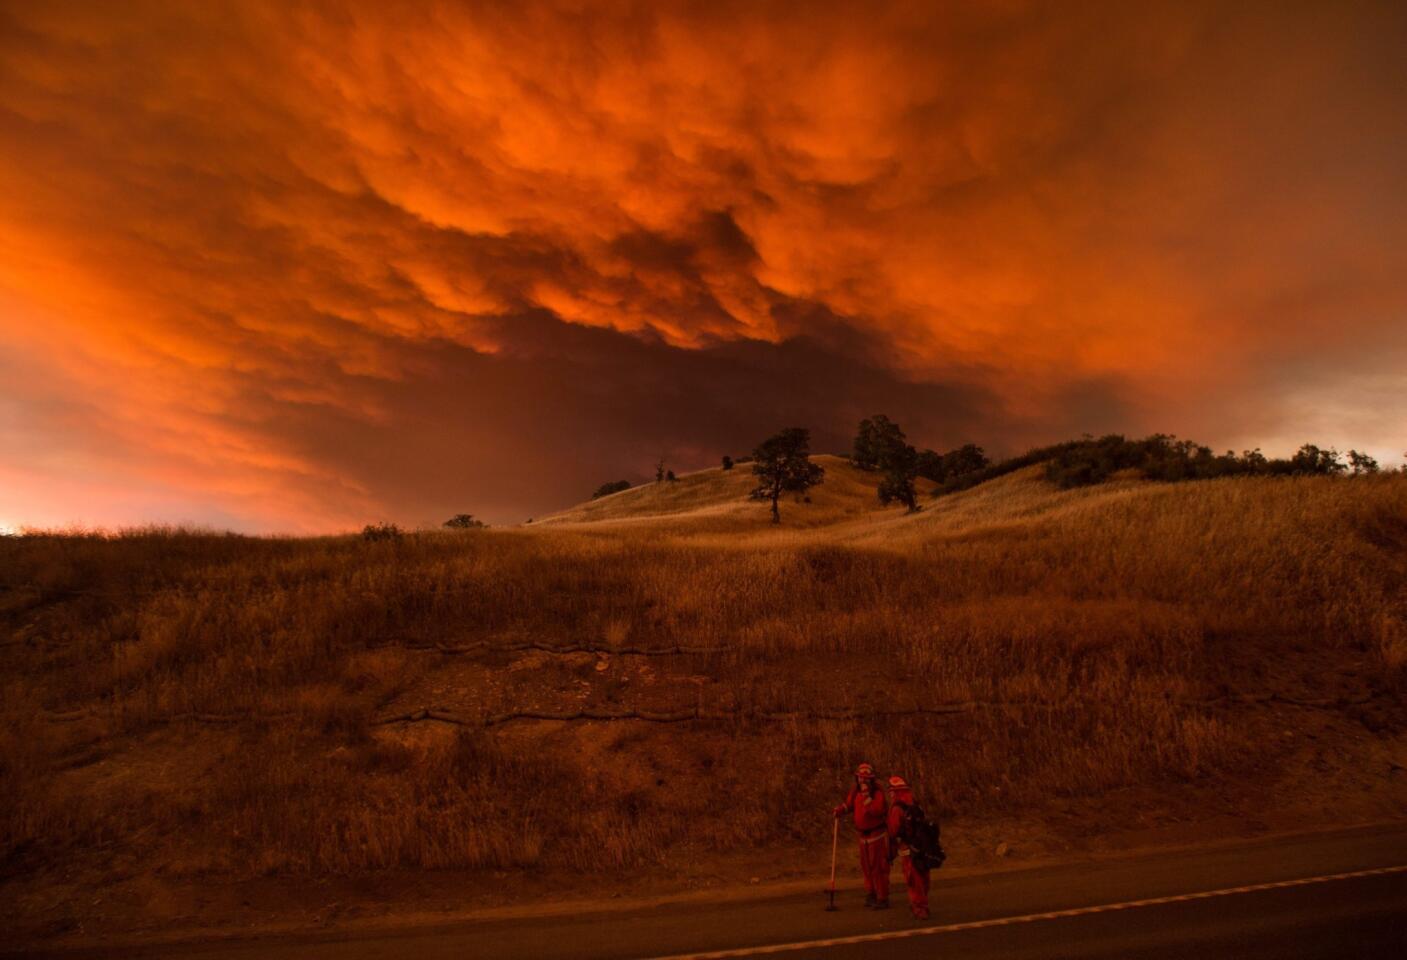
[[660, 676], [719, 497], [844, 508]]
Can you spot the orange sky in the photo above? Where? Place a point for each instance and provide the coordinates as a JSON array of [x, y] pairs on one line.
[[298, 270]]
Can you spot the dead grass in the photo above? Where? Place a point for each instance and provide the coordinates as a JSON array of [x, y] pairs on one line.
[[1104, 611]]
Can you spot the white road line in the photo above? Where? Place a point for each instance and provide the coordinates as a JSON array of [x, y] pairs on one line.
[[1025, 918]]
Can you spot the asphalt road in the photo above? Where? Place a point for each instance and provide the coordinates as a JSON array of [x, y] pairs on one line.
[[1328, 895]]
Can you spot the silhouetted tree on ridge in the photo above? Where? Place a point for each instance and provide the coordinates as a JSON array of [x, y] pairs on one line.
[[782, 464], [1360, 463], [877, 436], [880, 444], [900, 467]]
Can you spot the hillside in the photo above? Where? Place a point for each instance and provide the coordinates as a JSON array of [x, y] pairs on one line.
[[843, 507], [718, 496], [1054, 669]]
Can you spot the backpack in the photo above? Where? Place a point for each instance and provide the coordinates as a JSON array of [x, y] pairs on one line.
[[922, 837]]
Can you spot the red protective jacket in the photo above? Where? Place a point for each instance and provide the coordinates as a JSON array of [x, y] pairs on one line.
[[870, 815], [902, 798]]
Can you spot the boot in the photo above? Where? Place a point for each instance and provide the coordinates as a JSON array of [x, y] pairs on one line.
[[882, 904], [869, 901], [920, 913]]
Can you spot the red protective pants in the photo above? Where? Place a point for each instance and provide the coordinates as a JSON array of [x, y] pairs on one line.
[[874, 864], [917, 881]]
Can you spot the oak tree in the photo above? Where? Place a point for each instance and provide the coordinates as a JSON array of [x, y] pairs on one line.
[[782, 464]]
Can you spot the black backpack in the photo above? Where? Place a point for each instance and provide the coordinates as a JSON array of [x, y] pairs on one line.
[[922, 837]]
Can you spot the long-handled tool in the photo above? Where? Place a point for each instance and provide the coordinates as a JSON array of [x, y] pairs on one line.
[[830, 891]]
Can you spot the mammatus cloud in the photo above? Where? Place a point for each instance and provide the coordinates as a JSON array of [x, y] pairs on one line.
[[298, 268]]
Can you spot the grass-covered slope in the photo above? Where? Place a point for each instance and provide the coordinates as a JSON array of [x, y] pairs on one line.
[[186, 703], [721, 496]]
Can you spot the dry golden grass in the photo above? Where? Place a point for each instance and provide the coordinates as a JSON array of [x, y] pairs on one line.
[[1103, 615]]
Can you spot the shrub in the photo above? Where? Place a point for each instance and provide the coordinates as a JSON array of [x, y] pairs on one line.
[[464, 521], [941, 467], [381, 531], [1091, 460], [610, 487]]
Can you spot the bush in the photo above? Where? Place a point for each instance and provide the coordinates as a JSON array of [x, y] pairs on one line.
[[464, 521], [382, 531], [610, 487], [942, 467], [727, 462], [1163, 457], [1091, 460]]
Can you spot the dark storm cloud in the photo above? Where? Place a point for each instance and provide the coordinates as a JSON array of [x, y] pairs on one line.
[[522, 433], [280, 262]]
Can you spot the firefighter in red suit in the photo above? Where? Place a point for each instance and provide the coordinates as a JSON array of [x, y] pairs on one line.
[[867, 803], [916, 879]]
